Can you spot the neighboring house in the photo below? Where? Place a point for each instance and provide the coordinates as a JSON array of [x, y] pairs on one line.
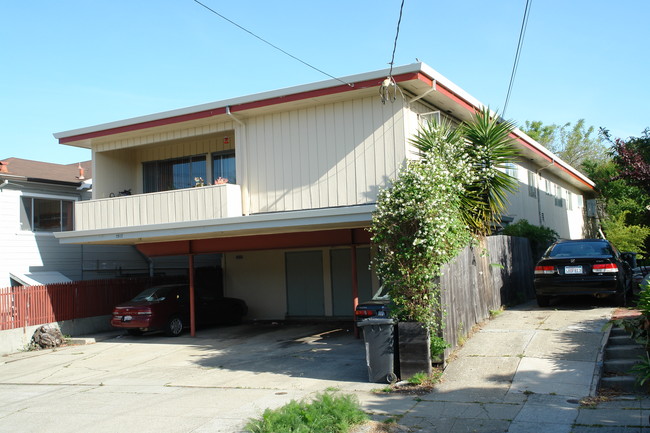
[[37, 199], [303, 168]]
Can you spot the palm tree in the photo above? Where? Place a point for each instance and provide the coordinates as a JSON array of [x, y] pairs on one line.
[[490, 150]]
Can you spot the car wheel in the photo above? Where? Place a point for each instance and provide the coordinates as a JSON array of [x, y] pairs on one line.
[[134, 332], [174, 327], [543, 301]]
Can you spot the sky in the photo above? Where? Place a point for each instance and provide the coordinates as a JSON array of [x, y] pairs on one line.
[[70, 64]]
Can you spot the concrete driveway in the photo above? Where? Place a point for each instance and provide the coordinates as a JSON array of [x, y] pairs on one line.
[[524, 371], [211, 383]]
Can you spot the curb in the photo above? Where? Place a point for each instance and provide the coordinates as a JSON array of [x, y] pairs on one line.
[[600, 363]]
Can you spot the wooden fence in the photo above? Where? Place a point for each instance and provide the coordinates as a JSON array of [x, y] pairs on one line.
[[22, 306], [482, 278]]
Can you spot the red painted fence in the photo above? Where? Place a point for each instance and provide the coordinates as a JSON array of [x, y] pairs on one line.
[[35, 305]]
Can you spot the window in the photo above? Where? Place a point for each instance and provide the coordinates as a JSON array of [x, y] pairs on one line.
[[223, 165], [177, 173], [431, 116], [46, 215], [532, 190], [511, 169], [558, 196], [581, 202], [569, 200], [548, 189]]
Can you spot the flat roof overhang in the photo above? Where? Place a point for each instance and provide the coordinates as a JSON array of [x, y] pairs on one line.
[[417, 80], [286, 229]]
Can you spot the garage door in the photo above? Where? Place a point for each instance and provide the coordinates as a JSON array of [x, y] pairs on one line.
[[305, 283]]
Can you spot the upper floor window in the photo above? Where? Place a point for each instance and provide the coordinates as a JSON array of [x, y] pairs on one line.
[[176, 173], [558, 196], [511, 169], [532, 187], [223, 165], [46, 215], [569, 200]]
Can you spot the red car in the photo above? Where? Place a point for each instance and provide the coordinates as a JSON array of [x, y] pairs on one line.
[[167, 308]]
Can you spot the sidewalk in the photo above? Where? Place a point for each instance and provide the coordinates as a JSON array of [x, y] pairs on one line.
[[528, 370]]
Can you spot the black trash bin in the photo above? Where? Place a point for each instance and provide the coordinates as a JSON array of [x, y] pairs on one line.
[[378, 335]]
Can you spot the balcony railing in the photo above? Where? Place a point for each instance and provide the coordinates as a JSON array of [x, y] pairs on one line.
[[183, 205]]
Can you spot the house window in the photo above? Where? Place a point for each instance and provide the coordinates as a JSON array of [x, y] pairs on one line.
[[46, 215], [511, 169], [581, 202], [223, 165], [177, 173], [532, 190], [569, 200], [558, 196], [549, 190]]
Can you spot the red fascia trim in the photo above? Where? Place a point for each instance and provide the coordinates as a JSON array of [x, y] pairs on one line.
[[454, 97], [549, 159], [246, 106], [144, 125], [317, 239]]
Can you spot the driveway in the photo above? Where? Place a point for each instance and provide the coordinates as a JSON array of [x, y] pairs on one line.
[[211, 383], [524, 371]]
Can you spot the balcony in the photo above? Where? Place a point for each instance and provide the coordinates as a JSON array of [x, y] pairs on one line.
[[183, 205]]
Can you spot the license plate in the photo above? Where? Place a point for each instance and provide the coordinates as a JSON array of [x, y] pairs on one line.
[[573, 269], [381, 313], [127, 318]]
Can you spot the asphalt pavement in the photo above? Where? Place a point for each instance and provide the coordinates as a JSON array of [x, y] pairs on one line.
[[526, 370]]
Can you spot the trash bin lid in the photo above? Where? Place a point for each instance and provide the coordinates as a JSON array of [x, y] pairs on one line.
[[376, 321]]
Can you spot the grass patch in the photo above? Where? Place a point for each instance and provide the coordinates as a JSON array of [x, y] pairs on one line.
[[328, 413]]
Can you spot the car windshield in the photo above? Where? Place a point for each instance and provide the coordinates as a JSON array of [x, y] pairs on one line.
[[153, 294], [581, 249]]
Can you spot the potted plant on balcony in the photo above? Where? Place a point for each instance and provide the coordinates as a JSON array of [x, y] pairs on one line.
[[430, 212]]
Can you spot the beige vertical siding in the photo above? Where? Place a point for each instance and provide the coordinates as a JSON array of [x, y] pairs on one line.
[[330, 155]]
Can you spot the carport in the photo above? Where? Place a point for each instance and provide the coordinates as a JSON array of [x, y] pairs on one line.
[[351, 238]]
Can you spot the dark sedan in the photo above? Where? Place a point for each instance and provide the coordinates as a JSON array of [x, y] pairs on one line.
[[167, 308], [583, 267]]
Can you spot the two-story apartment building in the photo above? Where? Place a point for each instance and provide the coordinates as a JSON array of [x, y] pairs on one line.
[[303, 168]]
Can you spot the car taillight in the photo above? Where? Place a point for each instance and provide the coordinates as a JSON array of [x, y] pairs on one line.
[[544, 270], [364, 313], [605, 267], [143, 312]]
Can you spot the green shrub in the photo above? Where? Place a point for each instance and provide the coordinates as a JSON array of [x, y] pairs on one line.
[[539, 237], [326, 414]]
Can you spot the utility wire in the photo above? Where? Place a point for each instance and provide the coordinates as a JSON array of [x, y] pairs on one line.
[[399, 21], [522, 33], [387, 90], [274, 46]]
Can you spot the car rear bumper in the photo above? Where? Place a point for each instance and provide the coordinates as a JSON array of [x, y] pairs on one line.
[[560, 286], [136, 322]]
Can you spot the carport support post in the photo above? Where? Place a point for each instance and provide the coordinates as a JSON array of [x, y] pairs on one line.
[[192, 317], [355, 285]]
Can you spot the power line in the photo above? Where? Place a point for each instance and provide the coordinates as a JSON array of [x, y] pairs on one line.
[[389, 85], [522, 33], [399, 21], [272, 45]]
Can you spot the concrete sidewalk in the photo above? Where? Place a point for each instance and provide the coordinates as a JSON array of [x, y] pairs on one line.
[[526, 370], [529, 370]]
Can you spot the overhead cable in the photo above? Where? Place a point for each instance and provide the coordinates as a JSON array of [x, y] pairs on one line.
[[272, 45], [387, 89], [522, 33]]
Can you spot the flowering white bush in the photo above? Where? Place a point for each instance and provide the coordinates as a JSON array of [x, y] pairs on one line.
[[435, 207]]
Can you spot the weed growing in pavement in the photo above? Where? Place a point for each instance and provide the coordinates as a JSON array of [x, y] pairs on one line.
[[326, 414]]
